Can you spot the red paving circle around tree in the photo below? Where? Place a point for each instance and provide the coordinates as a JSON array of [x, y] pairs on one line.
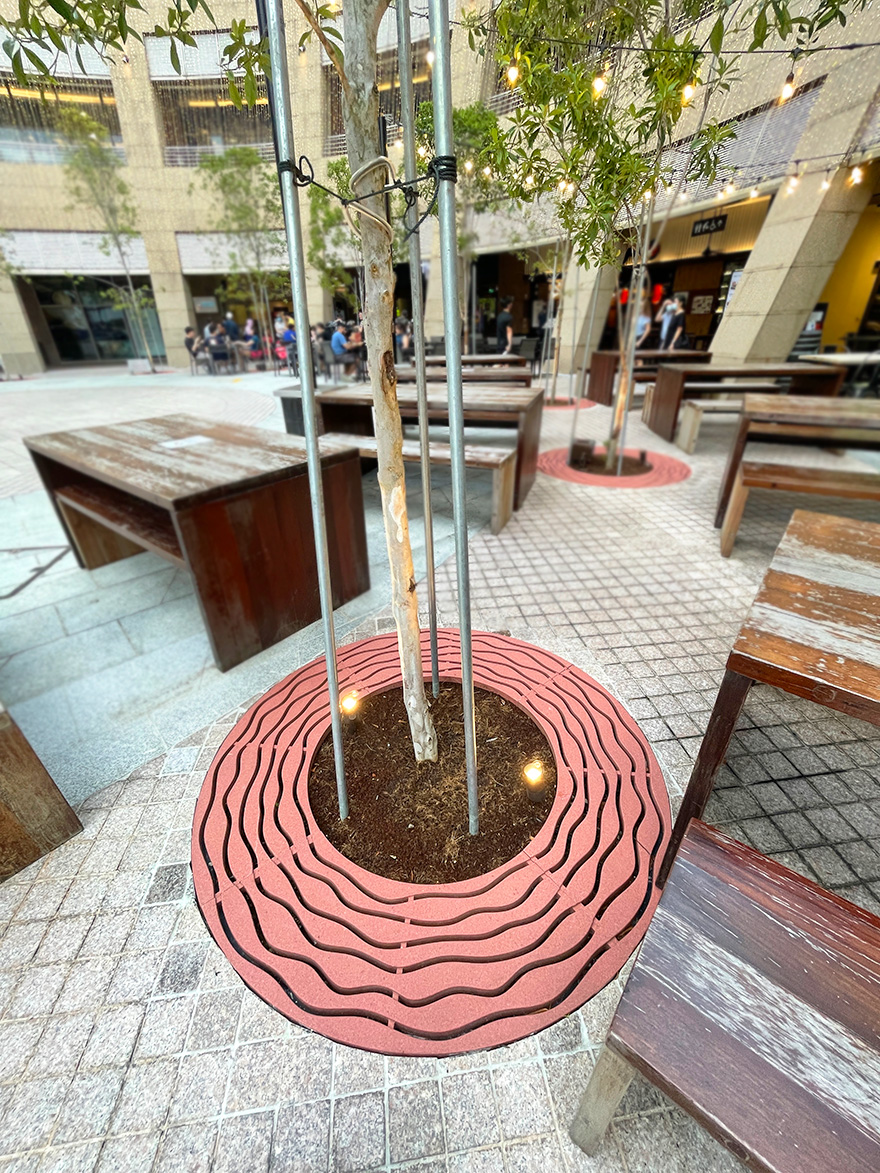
[[585, 403], [420, 969], [665, 470]]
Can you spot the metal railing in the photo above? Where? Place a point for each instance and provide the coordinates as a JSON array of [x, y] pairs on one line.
[[22, 151], [190, 156]]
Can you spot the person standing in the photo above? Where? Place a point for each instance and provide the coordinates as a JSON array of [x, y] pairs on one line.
[[665, 314], [504, 326], [231, 327]]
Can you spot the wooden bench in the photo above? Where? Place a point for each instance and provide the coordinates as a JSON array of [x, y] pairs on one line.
[[691, 418], [754, 1004], [823, 482], [34, 815], [501, 462]]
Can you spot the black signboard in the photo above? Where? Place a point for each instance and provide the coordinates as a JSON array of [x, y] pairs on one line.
[[705, 227]]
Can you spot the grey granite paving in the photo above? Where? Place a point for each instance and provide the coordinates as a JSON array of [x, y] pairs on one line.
[[128, 1043]]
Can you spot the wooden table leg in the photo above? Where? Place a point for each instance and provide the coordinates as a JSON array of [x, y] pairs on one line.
[[528, 439], [728, 706], [665, 402], [733, 463], [608, 1083]]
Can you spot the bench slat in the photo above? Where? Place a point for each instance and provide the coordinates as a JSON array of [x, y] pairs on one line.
[[474, 455], [822, 481]]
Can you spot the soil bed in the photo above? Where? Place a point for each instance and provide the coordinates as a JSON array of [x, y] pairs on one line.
[[410, 822], [585, 459]]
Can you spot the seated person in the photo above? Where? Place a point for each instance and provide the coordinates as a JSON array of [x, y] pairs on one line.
[[341, 346], [195, 345]]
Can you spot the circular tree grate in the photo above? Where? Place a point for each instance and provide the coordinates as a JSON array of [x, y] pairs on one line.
[[665, 470], [416, 969]]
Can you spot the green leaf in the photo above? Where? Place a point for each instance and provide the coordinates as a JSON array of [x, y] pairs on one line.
[[716, 37], [63, 9], [234, 94], [24, 12], [760, 30], [175, 57], [18, 68], [250, 89]]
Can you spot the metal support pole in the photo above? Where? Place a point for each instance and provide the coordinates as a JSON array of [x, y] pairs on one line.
[[549, 322], [271, 23], [441, 82], [635, 300], [407, 110], [573, 375]]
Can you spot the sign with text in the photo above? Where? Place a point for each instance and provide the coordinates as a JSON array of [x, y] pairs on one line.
[[709, 225]]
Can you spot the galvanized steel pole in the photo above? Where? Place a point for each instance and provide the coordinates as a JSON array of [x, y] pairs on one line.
[[271, 22], [438, 14], [407, 112]]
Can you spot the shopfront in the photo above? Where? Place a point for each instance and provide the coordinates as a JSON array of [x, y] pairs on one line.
[[853, 289], [700, 258]]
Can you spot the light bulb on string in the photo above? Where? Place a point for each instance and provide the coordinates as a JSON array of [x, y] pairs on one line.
[[513, 73], [688, 94], [600, 84], [826, 182], [487, 171], [429, 57], [730, 188], [530, 181], [753, 194], [683, 195], [787, 88], [856, 175], [469, 166]]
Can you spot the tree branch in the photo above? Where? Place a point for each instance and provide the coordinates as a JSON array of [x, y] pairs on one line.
[[330, 49]]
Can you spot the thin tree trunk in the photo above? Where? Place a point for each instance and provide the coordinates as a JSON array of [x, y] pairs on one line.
[[135, 309], [361, 108]]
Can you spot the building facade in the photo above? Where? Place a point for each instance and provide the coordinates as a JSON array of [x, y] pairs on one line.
[[756, 256]]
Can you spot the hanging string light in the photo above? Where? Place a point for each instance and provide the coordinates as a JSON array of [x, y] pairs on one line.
[[469, 166], [753, 194], [688, 93], [429, 57], [513, 73], [730, 188], [826, 182], [600, 83], [787, 89], [856, 175]]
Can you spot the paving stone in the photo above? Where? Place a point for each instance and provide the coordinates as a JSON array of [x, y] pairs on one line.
[[78, 1158], [258, 1020], [215, 1021], [135, 976], [18, 1041], [523, 1105], [38, 990], [828, 866], [88, 1107], [20, 942], [182, 968], [61, 1044], [302, 1138], [863, 858], [477, 1161], [469, 1111], [169, 883], [86, 984], [265, 1074], [358, 1141], [42, 900], [152, 928], [415, 1127], [146, 1096], [356, 1071], [543, 1153], [409, 1069], [165, 1027], [30, 1114], [245, 1142], [567, 1077], [564, 1036], [189, 1147], [201, 1086], [108, 934], [112, 1040]]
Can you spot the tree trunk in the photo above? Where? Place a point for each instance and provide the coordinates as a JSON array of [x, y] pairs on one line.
[[361, 110], [136, 310]]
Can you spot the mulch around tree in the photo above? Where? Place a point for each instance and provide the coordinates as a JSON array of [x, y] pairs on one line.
[[409, 821], [585, 458]]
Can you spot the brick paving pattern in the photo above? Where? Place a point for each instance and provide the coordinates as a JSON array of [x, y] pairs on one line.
[[127, 1042]]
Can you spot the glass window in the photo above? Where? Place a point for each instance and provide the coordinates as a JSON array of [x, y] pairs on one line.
[[29, 116], [389, 94], [199, 118]]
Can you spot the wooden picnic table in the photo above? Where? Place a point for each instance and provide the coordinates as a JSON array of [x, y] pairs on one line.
[[854, 362], [671, 385], [350, 410], [229, 503], [480, 360], [799, 419], [812, 631], [604, 365], [440, 374]]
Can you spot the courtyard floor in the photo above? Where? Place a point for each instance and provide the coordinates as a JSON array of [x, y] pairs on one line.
[[127, 1042]]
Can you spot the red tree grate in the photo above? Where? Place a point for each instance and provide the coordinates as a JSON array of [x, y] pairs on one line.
[[585, 403], [421, 969], [665, 470]]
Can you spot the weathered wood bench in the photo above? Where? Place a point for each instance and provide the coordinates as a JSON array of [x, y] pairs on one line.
[[823, 482], [693, 410], [501, 462], [34, 815], [754, 1004]]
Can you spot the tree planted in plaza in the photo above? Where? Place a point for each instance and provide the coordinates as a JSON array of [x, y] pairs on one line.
[[92, 169], [602, 88], [245, 188]]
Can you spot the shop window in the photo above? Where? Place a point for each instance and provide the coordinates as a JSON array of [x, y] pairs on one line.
[[86, 326], [199, 119], [30, 116]]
